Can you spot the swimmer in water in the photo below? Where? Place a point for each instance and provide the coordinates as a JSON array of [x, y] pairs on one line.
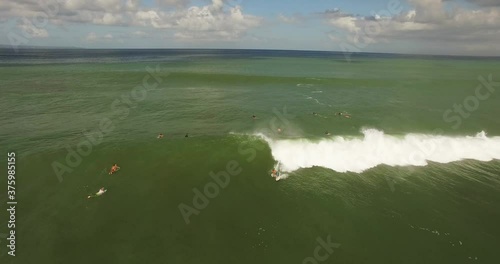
[[254, 117], [160, 136], [114, 169], [327, 133], [187, 135]]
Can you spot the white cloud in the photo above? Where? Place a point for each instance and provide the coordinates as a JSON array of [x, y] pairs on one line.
[[293, 19], [429, 22], [109, 19], [210, 22], [98, 5], [215, 21], [32, 30], [91, 37], [346, 23], [428, 11], [132, 5], [151, 18]]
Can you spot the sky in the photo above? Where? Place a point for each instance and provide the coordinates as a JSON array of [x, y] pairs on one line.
[[443, 27]]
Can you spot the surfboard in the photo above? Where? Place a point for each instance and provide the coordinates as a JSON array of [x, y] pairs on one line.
[[281, 176], [279, 173], [277, 168], [103, 192], [97, 194]]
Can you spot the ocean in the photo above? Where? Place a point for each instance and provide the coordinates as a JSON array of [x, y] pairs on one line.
[[382, 158]]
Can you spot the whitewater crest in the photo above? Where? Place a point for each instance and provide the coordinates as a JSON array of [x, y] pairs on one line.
[[357, 154]]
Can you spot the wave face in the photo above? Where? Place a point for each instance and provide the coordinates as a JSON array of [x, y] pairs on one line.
[[375, 148]]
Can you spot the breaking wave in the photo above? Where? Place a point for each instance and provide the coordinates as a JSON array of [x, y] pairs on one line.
[[357, 154]]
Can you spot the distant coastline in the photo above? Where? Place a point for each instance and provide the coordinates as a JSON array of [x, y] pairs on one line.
[[5, 46]]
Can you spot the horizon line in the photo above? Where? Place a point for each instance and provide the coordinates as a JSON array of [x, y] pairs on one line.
[[28, 47]]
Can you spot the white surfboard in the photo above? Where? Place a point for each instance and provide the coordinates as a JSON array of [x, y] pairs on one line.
[[99, 193]]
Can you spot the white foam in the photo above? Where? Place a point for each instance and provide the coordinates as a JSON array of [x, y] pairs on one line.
[[345, 154]]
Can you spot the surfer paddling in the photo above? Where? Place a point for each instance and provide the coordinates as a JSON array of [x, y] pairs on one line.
[[114, 169], [99, 193], [343, 114]]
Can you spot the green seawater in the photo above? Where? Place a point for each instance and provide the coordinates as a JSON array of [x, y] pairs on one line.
[[438, 213]]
